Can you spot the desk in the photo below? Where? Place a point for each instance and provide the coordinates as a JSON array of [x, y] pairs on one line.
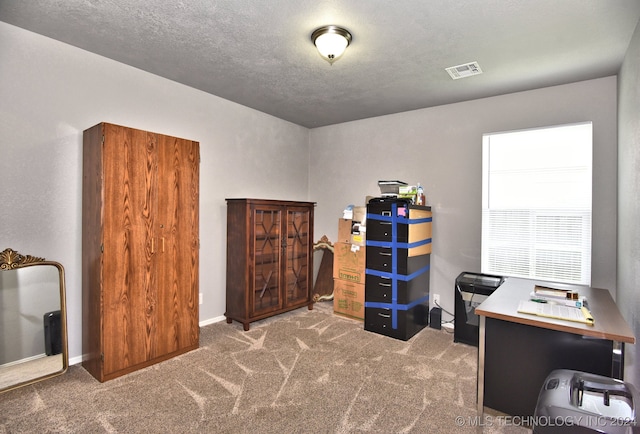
[[517, 351]]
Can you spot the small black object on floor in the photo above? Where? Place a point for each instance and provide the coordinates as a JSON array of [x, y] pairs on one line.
[[435, 318]]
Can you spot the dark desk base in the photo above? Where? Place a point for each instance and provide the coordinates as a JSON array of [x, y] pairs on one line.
[[518, 358]]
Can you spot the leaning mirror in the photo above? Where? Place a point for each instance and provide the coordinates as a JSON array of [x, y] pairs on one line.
[[33, 325], [323, 270]]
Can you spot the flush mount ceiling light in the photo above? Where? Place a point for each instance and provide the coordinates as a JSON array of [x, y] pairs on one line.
[[331, 41]]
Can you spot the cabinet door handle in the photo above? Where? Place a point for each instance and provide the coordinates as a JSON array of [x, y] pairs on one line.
[[152, 246], [162, 244]]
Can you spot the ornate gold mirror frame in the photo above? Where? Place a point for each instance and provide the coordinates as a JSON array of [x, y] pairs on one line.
[[323, 261], [33, 320]]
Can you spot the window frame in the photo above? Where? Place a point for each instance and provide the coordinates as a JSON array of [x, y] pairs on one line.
[[556, 261]]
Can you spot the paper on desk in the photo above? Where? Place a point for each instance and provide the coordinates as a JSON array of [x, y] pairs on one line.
[[556, 311]]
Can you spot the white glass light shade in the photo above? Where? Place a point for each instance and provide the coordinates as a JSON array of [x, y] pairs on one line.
[[331, 41], [331, 45]]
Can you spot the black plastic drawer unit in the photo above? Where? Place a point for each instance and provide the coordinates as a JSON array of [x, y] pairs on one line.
[[397, 267], [409, 321], [386, 258], [379, 287], [382, 230]]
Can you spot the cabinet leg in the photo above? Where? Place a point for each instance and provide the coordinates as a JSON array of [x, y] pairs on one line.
[[310, 306], [245, 325], [229, 320]]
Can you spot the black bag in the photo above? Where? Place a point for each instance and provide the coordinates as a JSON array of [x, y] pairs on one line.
[[52, 333]]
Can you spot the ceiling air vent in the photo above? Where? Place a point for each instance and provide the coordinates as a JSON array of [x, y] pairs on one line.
[[466, 70]]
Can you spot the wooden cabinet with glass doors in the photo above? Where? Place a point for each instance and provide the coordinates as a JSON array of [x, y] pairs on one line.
[[269, 258]]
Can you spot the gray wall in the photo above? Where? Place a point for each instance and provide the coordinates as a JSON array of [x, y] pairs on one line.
[[628, 203], [441, 148]]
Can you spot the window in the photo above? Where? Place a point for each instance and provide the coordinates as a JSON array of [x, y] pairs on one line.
[[536, 203]]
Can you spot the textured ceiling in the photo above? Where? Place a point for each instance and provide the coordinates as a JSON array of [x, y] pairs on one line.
[[258, 53]]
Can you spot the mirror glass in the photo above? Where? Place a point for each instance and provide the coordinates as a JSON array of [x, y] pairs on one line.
[[33, 336], [323, 270]]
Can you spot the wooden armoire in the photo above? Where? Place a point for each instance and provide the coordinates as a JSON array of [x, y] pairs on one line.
[[269, 258], [140, 249]]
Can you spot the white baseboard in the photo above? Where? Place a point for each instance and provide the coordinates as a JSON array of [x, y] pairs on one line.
[[78, 359], [212, 320]]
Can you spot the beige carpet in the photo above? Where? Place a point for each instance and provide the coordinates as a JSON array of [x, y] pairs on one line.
[[300, 372]]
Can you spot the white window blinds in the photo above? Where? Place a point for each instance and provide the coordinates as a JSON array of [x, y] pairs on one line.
[[536, 203]]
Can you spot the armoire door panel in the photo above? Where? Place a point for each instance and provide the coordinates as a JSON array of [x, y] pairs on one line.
[[130, 206], [177, 228]]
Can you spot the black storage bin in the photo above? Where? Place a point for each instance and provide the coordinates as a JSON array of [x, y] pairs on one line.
[[52, 333], [382, 205], [379, 230], [471, 289], [379, 288], [381, 259], [409, 322]]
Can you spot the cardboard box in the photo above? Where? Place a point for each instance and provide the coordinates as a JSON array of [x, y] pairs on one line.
[[344, 230], [349, 262], [357, 213], [348, 299], [419, 232], [407, 189], [352, 230], [360, 214]]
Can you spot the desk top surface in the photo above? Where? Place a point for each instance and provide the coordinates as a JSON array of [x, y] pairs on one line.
[[608, 321]]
